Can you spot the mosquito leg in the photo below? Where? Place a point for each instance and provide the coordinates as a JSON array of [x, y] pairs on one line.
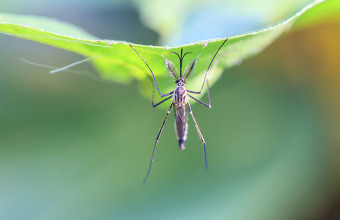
[[154, 149], [208, 93], [206, 73], [153, 94], [201, 136], [153, 97], [155, 105], [153, 75], [199, 101]]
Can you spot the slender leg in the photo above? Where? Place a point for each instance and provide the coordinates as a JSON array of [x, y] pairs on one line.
[[201, 102], [153, 75], [153, 97], [208, 93], [201, 136], [206, 73], [155, 105], [154, 149]]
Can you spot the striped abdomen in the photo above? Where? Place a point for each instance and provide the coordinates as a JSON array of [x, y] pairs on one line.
[[180, 106], [181, 125]]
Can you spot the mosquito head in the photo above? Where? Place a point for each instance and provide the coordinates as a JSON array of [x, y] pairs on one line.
[[180, 81], [180, 57]]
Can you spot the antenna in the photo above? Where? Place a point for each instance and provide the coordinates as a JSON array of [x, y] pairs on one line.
[[180, 60]]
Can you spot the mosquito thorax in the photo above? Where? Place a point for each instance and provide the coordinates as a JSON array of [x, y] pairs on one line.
[[180, 97]]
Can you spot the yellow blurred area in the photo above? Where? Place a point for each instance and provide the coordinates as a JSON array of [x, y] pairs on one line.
[[311, 59], [315, 54]]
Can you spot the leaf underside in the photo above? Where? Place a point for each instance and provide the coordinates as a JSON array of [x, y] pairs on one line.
[[116, 61]]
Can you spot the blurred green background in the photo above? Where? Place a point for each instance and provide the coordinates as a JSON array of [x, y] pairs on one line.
[[76, 148]]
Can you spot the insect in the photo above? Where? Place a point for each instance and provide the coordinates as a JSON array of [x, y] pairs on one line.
[[180, 102]]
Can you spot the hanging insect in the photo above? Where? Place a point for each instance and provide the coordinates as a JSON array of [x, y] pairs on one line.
[[180, 101]]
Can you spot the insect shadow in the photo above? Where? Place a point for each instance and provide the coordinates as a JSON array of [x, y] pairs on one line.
[[180, 102]]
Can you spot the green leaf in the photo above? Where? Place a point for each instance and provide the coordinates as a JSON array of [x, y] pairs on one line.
[[116, 61]]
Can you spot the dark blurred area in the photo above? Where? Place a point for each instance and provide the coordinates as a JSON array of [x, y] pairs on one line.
[[76, 148]]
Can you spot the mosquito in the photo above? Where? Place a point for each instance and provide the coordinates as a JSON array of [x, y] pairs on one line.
[[180, 101]]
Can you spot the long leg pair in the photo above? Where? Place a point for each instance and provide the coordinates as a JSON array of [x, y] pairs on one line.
[[168, 96]]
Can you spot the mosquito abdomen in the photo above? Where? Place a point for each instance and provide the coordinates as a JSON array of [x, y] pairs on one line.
[[181, 125], [180, 105], [181, 144]]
